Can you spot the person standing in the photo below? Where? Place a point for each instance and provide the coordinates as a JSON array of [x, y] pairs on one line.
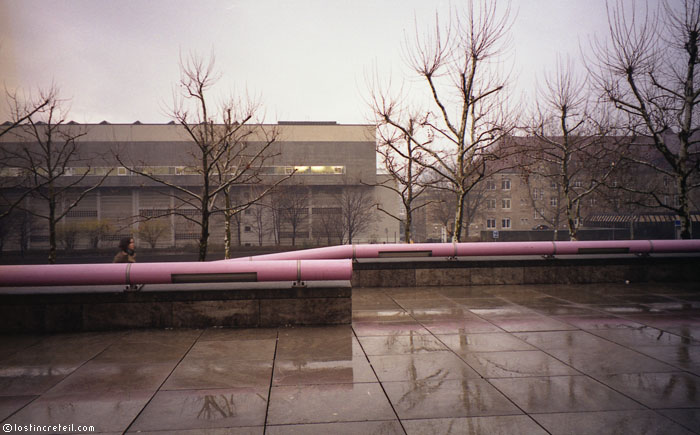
[[126, 251]]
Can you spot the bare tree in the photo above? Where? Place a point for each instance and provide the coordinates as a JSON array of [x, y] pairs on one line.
[[357, 206], [572, 151], [153, 230], [242, 166], [647, 69], [326, 224], [46, 163], [95, 230], [260, 225], [21, 109], [403, 160], [276, 216], [228, 150], [443, 211], [544, 194], [459, 66], [294, 209]]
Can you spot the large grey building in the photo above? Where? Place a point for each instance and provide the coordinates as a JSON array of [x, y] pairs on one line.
[[320, 162]]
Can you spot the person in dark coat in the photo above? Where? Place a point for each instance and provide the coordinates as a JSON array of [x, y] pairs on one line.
[[126, 251]]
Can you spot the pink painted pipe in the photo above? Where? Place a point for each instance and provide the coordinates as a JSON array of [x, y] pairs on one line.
[[167, 273], [397, 250]]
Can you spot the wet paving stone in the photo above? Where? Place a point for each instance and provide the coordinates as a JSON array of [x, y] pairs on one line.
[[563, 394], [197, 373], [497, 359], [483, 342], [370, 328], [658, 390], [106, 411], [203, 409], [517, 364], [447, 398], [314, 371], [501, 425], [609, 422], [390, 427], [401, 344], [328, 403], [421, 367]]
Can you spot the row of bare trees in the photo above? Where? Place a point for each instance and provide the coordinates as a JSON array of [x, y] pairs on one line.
[[633, 112], [291, 213], [228, 155], [41, 169], [231, 145]]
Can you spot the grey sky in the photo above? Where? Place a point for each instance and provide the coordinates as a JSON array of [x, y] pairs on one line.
[[307, 59]]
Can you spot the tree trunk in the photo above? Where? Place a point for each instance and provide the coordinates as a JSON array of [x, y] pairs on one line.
[[686, 223], [227, 236], [570, 222], [204, 238], [52, 227], [459, 216], [407, 230], [227, 225]]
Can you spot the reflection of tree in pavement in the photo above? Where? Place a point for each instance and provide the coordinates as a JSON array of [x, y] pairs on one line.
[[217, 407]]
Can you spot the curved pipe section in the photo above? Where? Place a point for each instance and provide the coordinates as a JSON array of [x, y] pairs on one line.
[[169, 273], [397, 250]]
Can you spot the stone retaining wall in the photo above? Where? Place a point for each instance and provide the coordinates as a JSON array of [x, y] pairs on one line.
[[526, 270], [174, 306]]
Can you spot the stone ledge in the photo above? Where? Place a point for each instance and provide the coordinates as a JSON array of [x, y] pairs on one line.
[[58, 309], [526, 270]]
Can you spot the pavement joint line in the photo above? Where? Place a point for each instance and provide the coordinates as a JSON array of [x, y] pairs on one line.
[[381, 384], [164, 381], [272, 377]]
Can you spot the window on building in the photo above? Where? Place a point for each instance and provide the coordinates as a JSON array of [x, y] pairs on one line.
[[593, 200], [505, 184], [121, 170], [505, 203], [537, 216], [553, 201], [490, 223], [537, 193], [490, 185], [553, 184], [247, 229], [490, 203], [578, 183], [505, 223]]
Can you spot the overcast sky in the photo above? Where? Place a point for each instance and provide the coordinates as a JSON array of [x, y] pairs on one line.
[[117, 60]]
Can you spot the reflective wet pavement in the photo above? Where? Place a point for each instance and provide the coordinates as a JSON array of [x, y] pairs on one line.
[[574, 359]]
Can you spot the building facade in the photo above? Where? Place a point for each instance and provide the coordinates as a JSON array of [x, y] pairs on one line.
[[317, 165]]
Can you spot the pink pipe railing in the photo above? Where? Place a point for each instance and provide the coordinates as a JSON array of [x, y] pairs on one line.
[[397, 250], [320, 264], [168, 273]]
